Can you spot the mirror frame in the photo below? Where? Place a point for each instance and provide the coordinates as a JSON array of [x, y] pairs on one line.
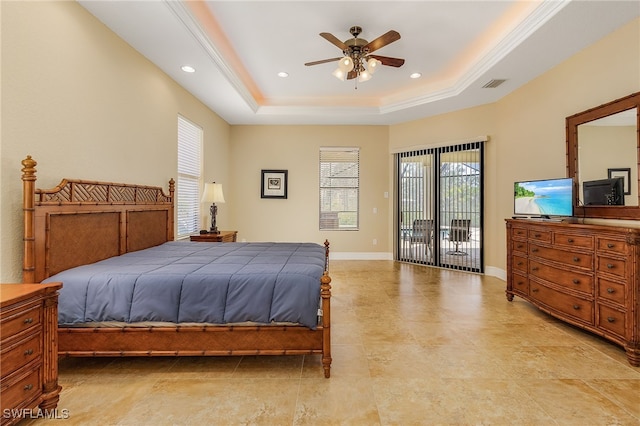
[[572, 123]]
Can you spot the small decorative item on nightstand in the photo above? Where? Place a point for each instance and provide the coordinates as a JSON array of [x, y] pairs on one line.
[[213, 194]]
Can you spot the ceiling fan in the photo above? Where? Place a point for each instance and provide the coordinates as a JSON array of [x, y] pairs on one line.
[[357, 53]]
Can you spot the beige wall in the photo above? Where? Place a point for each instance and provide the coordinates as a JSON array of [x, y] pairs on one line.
[[296, 149], [85, 105], [527, 127]]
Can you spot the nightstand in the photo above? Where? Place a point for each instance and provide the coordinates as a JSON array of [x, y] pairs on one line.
[[29, 355], [222, 237]]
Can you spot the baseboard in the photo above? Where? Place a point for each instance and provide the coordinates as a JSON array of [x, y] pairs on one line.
[[375, 255], [496, 272]]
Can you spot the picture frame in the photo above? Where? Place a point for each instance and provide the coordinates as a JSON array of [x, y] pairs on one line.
[[274, 184], [625, 174]]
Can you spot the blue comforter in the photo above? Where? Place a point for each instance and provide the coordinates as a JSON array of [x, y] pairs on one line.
[[197, 282]]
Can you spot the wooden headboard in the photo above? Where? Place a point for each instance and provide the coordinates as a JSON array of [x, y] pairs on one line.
[[80, 222]]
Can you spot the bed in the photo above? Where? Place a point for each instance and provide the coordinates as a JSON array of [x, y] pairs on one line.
[[85, 224]]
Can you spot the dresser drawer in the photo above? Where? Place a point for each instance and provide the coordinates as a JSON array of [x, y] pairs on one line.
[[571, 306], [570, 279], [519, 232], [519, 263], [611, 266], [22, 392], [520, 283], [519, 246], [20, 353], [22, 320], [569, 258], [612, 320], [612, 245], [573, 240], [539, 235], [611, 290]]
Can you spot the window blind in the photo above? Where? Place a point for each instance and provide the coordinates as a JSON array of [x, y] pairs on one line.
[[189, 177], [339, 188]]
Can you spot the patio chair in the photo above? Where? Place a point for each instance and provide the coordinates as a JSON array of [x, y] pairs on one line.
[[459, 232]]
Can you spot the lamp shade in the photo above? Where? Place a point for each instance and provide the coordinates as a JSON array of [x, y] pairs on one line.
[[339, 74], [346, 64], [212, 193], [373, 64], [364, 76]]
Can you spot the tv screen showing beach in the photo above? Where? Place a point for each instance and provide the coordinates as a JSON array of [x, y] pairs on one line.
[[549, 197]]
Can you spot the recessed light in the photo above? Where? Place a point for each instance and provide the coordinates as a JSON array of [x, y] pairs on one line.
[[415, 75], [188, 68], [283, 74]]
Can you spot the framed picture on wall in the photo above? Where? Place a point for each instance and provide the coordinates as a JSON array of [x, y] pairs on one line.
[[625, 174], [274, 184]]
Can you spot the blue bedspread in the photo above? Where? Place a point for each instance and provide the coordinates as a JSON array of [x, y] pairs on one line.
[[197, 282]]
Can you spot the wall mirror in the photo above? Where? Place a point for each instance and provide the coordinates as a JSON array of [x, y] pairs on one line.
[[604, 142]]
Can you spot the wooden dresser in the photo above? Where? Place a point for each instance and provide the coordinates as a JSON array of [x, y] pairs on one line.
[[222, 237], [28, 350], [586, 275]]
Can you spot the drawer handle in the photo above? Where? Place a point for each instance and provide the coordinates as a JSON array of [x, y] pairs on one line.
[[28, 387], [535, 268], [535, 290], [536, 235], [576, 307], [570, 240], [611, 319], [28, 320], [28, 352], [610, 290], [576, 281], [610, 265], [610, 245], [520, 263], [520, 282], [519, 246], [576, 259], [534, 250]]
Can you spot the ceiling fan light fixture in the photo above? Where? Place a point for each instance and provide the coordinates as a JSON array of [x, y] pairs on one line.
[[339, 74], [364, 76], [372, 65], [346, 64]]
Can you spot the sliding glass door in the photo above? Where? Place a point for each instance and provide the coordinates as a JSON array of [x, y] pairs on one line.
[[439, 206]]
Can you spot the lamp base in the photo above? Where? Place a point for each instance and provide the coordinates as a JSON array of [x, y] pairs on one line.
[[213, 231]]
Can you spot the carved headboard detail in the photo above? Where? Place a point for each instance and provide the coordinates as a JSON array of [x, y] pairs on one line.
[[80, 222]]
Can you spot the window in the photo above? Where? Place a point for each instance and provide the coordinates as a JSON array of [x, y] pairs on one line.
[[189, 175], [339, 188]]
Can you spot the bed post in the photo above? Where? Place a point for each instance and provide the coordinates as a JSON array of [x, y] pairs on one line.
[[325, 294], [170, 223], [28, 207]]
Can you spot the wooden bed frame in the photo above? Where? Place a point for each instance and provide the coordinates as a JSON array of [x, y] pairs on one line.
[[80, 222]]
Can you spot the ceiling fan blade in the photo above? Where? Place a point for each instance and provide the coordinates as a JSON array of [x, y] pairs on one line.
[[334, 40], [323, 61], [383, 40], [392, 62]]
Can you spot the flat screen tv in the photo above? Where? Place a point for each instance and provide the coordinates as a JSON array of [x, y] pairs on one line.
[[603, 192], [543, 198]]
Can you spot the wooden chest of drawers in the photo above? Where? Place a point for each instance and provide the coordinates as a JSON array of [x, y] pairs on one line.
[[586, 275], [28, 349]]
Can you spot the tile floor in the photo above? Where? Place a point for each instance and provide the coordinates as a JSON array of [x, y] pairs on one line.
[[412, 345]]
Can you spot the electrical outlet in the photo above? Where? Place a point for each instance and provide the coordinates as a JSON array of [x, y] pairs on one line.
[[375, 210], [375, 241]]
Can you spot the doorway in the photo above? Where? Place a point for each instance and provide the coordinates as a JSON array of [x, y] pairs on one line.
[[439, 206]]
